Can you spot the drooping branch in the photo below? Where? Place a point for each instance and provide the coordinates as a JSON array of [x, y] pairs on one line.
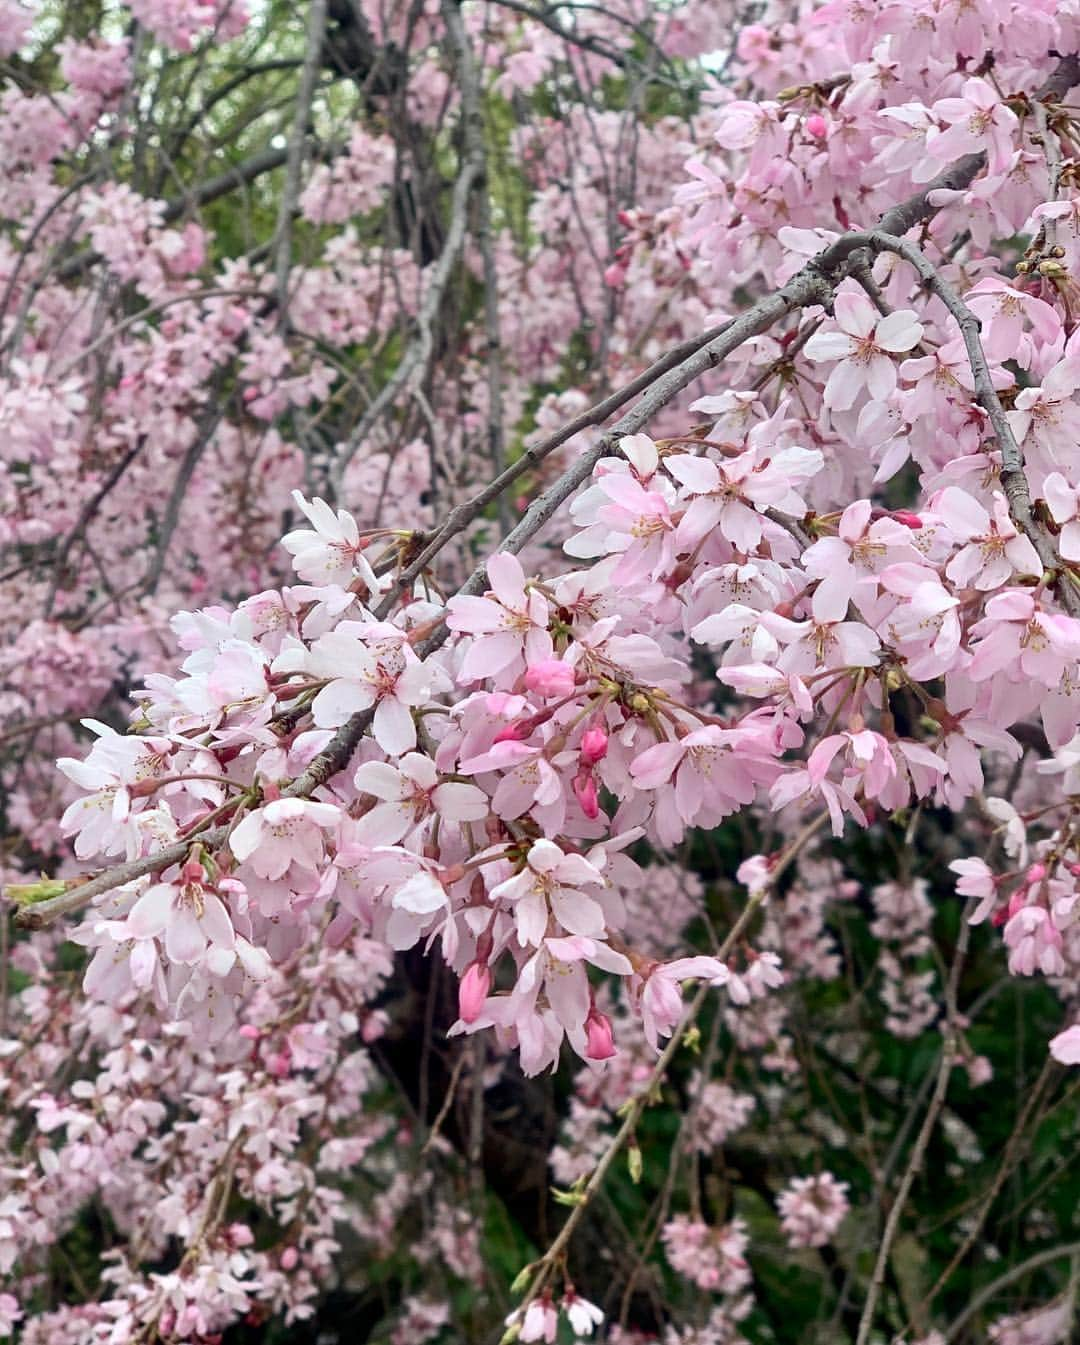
[[282, 241], [812, 285], [1013, 479], [544, 1268], [414, 363]]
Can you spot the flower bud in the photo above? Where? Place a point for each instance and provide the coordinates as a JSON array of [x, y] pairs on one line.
[[635, 1163], [278, 1064], [473, 990], [816, 126], [550, 677], [599, 1037], [594, 743], [516, 732], [586, 794]]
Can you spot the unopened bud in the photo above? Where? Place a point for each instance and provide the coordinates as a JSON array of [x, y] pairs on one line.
[[550, 677], [516, 732], [473, 990], [594, 745], [586, 794], [599, 1036], [634, 1163], [521, 1279]]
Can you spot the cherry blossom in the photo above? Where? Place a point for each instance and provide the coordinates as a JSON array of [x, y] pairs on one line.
[[510, 625], [646, 520], [978, 120], [864, 346]]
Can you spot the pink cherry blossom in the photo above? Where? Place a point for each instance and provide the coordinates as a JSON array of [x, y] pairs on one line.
[[661, 996], [1047, 413], [978, 120], [864, 346], [409, 792], [995, 551], [507, 627], [282, 834]]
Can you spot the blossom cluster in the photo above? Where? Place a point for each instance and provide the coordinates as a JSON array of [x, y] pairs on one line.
[[834, 589]]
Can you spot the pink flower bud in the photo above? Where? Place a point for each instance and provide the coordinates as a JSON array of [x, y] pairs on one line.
[[1017, 902], [550, 677], [816, 126], [593, 746], [585, 791], [614, 276], [188, 1320], [979, 1071], [516, 732], [278, 1064], [289, 1258], [908, 519], [473, 990], [599, 1038]]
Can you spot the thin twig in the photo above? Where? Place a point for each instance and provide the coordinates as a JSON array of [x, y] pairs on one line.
[[550, 1259], [1013, 1274], [918, 1151]]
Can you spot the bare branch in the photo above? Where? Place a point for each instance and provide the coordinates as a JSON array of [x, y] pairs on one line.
[[414, 362], [282, 241]]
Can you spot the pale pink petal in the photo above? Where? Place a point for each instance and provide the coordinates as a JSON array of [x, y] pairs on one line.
[[854, 313], [829, 346], [184, 939], [845, 383], [507, 579], [898, 332], [150, 914], [338, 702], [393, 727], [381, 780], [215, 921], [1065, 1047], [459, 802]]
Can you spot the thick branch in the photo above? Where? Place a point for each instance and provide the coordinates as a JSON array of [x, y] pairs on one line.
[[282, 244]]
